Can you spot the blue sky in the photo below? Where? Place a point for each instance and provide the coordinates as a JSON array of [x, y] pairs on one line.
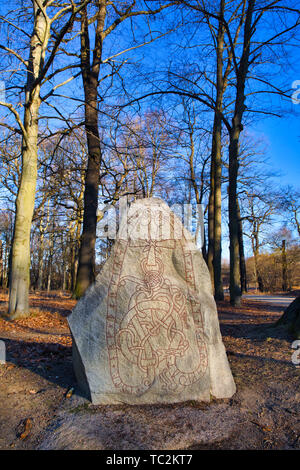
[[282, 139], [283, 145], [282, 135]]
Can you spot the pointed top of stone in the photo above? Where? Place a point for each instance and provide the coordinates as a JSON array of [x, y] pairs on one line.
[[152, 218]]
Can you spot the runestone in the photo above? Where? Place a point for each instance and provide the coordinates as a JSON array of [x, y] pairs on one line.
[[147, 331]]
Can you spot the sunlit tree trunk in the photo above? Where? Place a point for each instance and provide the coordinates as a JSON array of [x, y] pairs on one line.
[[234, 135], [6, 264], [41, 248], [255, 248], [217, 239], [211, 207], [284, 267], [243, 272], [20, 259], [36, 70], [20, 262], [235, 290], [50, 259], [217, 156]]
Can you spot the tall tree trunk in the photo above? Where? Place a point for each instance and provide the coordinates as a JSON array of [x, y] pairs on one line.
[[234, 286], [6, 263], [73, 267], [41, 265], [86, 264], [75, 254], [41, 250], [42, 230], [243, 272], [260, 282], [64, 276], [20, 259], [217, 241], [90, 75], [36, 70], [49, 274], [217, 157], [255, 248], [234, 135], [210, 231], [197, 191], [50, 258], [284, 267]]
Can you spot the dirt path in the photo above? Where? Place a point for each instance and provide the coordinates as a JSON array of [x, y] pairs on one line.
[[264, 414], [281, 301]]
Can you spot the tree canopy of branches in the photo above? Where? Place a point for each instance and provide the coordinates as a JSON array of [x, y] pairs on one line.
[[106, 98]]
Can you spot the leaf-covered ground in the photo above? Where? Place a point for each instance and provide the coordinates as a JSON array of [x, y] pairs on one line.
[[37, 412]]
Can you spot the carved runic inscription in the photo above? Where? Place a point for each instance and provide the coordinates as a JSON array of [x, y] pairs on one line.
[[160, 336]]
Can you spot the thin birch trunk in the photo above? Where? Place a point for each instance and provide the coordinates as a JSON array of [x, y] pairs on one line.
[[20, 259]]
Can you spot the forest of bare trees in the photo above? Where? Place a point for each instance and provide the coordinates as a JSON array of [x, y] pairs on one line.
[[137, 98]]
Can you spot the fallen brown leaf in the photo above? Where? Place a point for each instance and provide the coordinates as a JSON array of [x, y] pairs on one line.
[[27, 428], [69, 392]]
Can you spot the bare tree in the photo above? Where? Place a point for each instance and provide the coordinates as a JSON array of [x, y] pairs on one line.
[[90, 60], [261, 207], [37, 66], [290, 204]]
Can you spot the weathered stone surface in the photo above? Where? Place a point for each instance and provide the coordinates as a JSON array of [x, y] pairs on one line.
[[2, 352], [147, 331], [291, 318]]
